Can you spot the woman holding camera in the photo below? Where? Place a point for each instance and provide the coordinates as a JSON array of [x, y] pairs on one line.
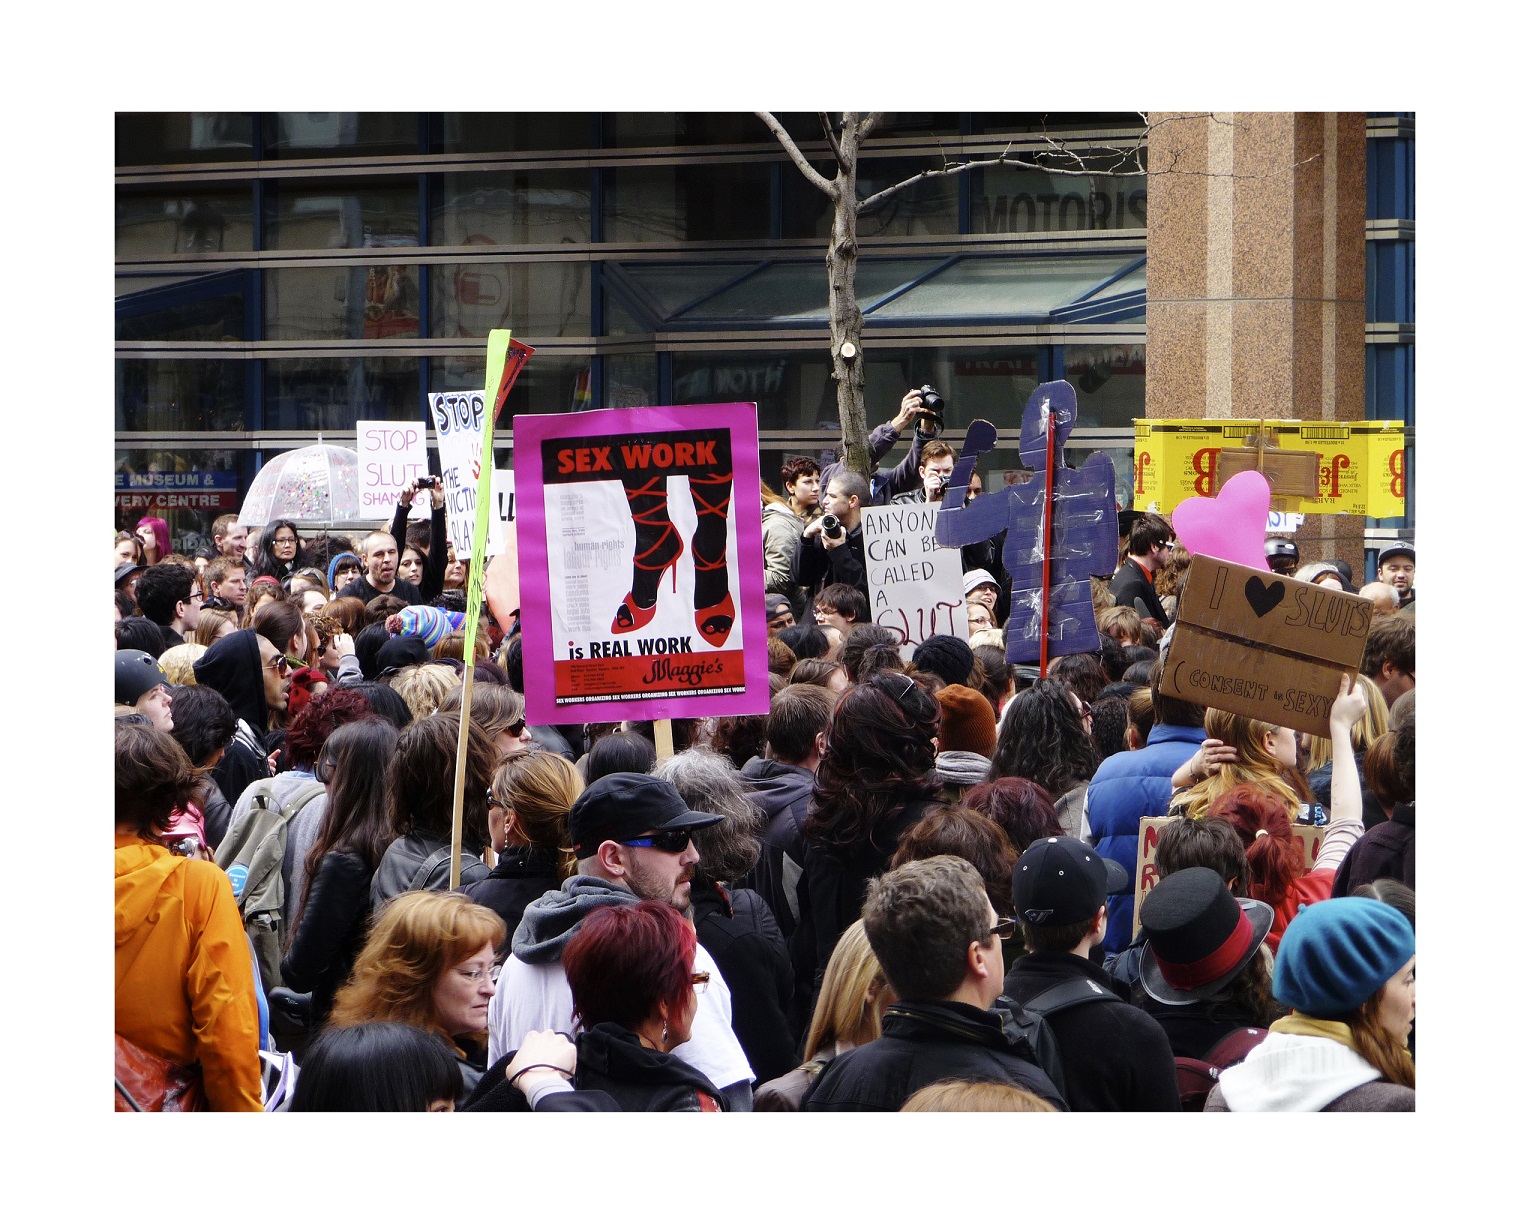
[[433, 569]]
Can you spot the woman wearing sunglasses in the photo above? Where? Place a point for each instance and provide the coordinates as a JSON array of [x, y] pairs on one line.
[[632, 972]]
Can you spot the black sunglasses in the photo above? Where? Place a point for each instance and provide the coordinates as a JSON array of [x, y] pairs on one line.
[[1005, 929], [670, 841]]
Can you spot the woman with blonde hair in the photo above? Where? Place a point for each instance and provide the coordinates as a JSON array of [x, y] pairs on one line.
[[1241, 751], [848, 1014], [215, 623], [422, 686], [429, 962], [968, 1096], [177, 662], [529, 801]]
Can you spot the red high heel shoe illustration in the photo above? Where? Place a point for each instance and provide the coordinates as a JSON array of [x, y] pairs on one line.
[[716, 622], [654, 559], [714, 619]]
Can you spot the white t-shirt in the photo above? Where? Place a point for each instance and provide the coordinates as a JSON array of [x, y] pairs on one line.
[[536, 997]]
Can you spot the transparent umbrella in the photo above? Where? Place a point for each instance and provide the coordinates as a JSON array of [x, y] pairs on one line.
[[314, 486]]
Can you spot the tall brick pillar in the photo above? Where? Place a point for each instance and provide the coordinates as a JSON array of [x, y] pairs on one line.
[[1256, 277]]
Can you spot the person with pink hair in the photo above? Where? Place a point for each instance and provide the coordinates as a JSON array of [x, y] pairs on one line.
[[154, 534]]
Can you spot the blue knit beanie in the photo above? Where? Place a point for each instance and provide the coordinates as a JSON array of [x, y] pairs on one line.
[[1338, 953], [339, 559]]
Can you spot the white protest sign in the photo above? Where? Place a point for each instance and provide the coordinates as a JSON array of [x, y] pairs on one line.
[[390, 455], [458, 418], [502, 516], [915, 584]]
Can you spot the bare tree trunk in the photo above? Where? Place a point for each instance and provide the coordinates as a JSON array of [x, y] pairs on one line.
[[845, 319]]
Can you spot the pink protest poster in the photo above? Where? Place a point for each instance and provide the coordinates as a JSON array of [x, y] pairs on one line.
[[642, 586]]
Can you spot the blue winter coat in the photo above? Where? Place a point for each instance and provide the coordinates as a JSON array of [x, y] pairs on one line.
[[1127, 787]]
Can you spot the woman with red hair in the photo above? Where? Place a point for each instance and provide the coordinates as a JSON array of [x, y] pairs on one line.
[[632, 972], [1278, 873]]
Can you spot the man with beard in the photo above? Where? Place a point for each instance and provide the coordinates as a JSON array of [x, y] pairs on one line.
[[631, 835], [379, 551]]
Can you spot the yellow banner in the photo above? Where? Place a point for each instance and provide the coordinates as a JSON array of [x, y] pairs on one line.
[[499, 345], [1361, 464]]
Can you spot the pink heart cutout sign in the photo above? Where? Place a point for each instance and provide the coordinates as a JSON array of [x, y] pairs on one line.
[[1231, 525]]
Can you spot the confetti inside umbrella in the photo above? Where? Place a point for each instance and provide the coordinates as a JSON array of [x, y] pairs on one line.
[[314, 486]]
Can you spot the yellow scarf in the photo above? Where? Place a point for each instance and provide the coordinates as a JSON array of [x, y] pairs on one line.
[[1299, 1025]]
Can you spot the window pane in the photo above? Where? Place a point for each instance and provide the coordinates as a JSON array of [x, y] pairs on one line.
[[797, 293], [988, 383], [916, 123], [344, 134], [1003, 287], [661, 128], [170, 222], [329, 393], [926, 207], [155, 139], [1038, 121], [693, 203], [631, 382], [201, 308], [511, 208], [1111, 382], [793, 392], [158, 394], [512, 133], [546, 384], [208, 486], [312, 215], [354, 303], [1009, 201], [531, 299]]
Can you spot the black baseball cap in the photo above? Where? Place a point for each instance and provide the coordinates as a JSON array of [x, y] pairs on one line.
[[620, 806], [1061, 880]]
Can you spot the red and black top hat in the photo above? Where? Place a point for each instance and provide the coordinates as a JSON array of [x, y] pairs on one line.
[[1199, 936]]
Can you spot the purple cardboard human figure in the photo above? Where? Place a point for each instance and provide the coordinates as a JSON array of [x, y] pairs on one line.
[[1084, 539]]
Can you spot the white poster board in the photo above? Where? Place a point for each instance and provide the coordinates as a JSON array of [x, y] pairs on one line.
[[390, 455], [502, 516], [458, 420], [914, 583]]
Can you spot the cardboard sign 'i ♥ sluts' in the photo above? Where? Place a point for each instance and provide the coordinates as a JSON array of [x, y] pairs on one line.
[[1266, 647]]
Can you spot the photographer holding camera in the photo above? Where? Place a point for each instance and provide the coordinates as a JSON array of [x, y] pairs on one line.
[[831, 548], [432, 576], [924, 408], [936, 462]]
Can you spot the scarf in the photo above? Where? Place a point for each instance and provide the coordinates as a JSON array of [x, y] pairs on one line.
[[1299, 1025]]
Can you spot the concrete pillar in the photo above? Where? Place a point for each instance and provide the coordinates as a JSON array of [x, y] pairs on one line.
[[1256, 277]]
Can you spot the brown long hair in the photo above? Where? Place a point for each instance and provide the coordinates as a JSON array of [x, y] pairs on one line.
[[1379, 1047], [540, 788]]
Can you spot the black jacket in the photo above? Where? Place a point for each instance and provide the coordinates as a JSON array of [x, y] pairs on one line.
[[363, 590], [1385, 852], [1131, 584], [1115, 1057], [1321, 782], [433, 574], [920, 1044], [231, 665], [330, 930], [781, 792], [815, 566], [614, 1072], [522, 874], [736, 927], [1193, 1029]]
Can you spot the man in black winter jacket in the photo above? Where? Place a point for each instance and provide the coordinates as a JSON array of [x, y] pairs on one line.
[[938, 941], [1115, 1057], [248, 671]]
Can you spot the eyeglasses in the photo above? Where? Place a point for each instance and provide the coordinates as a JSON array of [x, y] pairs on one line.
[[279, 665], [323, 770], [477, 973], [1005, 928], [670, 841], [701, 980]]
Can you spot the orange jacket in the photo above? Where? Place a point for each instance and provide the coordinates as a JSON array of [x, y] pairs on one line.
[[185, 989]]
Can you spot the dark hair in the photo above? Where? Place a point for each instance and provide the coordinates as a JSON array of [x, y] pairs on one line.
[[970, 835], [851, 484], [1080, 672], [1389, 767], [1055, 939], [740, 737], [421, 781], [279, 622], [1148, 532], [623, 961], [1390, 892], [356, 818], [324, 548], [514, 667], [125, 604], [154, 777], [1022, 809], [619, 752], [805, 640], [850, 602], [880, 756], [1390, 640], [381, 607], [140, 633], [816, 672], [1108, 728], [920, 919], [1139, 675], [161, 587], [417, 536], [1186, 842], [1042, 738], [861, 639], [317, 720], [385, 702], [373, 637], [381, 1067], [1112, 656], [996, 678], [879, 658], [265, 557], [798, 713], [203, 721], [1172, 711], [453, 599], [486, 671], [796, 467]]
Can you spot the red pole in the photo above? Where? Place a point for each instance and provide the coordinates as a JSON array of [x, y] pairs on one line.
[[1046, 540]]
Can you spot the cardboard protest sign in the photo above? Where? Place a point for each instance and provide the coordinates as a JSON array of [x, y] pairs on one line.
[[915, 584], [1361, 465], [458, 417], [1148, 829], [1266, 647], [390, 455], [642, 585]]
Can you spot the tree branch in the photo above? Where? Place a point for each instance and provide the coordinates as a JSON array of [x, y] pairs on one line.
[[824, 185], [828, 131], [869, 122]]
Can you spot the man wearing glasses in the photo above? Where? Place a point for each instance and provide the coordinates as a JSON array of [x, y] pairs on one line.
[[631, 835], [1149, 545]]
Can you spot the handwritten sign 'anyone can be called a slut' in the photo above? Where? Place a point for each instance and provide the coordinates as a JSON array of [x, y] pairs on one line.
[[915, 584]]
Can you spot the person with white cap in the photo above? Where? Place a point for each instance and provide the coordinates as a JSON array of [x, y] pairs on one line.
[[979, 586]]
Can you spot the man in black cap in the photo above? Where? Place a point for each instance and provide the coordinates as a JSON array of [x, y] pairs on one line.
[[778, 613], [1395, 567], [1115, 1057], [631, 835]]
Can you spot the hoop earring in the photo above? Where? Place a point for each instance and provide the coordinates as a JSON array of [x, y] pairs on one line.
[[664, 1035]]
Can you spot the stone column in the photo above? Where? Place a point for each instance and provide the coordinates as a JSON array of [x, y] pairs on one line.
[[1256, 277]]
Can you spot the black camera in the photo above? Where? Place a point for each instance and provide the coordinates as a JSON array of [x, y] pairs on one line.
[[934, 407], [832, 527], [428, 482]]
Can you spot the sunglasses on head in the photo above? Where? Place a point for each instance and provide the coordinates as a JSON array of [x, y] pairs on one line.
[[669, 841]]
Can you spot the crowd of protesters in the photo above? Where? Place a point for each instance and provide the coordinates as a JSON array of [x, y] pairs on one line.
[[909, 886]]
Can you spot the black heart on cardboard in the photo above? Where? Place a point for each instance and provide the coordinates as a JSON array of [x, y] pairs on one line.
[[1263, 598]]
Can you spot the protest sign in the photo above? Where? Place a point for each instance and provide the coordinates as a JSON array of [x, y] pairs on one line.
[[642, 583], [1361, 465], [1265, 647], [915, 584], [390, 455], [1148, 830], [502, 517], [458, 417]]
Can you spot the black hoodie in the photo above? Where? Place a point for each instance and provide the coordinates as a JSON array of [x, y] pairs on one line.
[[231, 666], [781, 792]]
